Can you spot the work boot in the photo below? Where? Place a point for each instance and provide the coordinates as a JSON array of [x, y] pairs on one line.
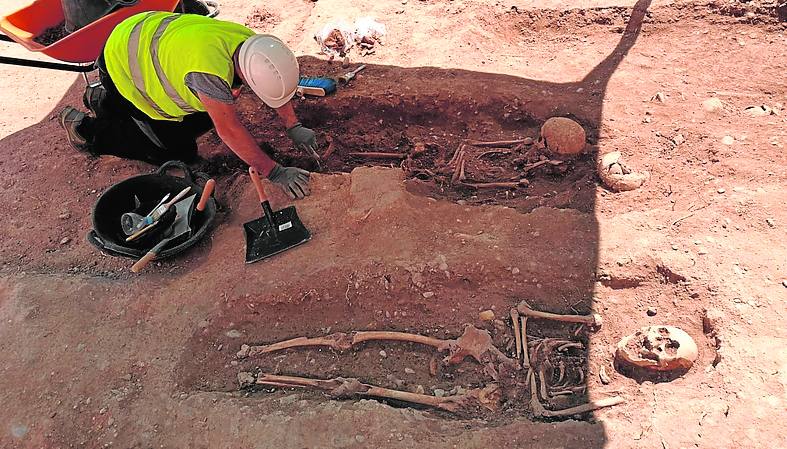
[[70, 119], [93, 98]]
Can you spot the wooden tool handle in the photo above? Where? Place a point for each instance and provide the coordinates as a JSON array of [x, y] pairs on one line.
[[178, 197], [143, 262], [255, 178], [206, 192]]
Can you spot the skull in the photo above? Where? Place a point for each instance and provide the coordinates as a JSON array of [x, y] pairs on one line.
[[658, 348], [562, 135]]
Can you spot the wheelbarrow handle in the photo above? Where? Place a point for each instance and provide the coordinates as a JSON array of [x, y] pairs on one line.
[[255, 178]]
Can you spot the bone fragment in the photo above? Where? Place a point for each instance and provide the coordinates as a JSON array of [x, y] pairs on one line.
[[494, 151], [592, 319], [377, 155], [499, 143], [457, 153], [525, 349], [331, 147], [538, 409], [517, 333], [529, 167], [497, 185], [616, 175]]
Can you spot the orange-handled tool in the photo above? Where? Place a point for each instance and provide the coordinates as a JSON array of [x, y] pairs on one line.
[[255, 178], [206, 192]]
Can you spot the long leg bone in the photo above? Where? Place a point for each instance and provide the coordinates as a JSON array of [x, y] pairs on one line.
[[496, 185], [593, 320], [517, 334], [498, 143], [377, 155], [525, 349], [474, 342], [488, 397], [341, 341]]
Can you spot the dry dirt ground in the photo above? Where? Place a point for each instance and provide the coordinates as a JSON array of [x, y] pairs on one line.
[[93, 356]]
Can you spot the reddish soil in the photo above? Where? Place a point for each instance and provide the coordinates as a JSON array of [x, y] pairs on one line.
[[95, 356]]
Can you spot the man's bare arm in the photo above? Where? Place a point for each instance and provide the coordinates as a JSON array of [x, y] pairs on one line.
[[235, 135]]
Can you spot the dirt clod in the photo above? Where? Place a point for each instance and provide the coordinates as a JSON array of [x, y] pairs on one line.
[[52, 35]]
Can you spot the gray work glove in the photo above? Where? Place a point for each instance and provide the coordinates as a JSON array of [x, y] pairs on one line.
[[304, 139], [294, 181]]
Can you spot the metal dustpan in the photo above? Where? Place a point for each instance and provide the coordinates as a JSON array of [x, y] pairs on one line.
[[274, 232]]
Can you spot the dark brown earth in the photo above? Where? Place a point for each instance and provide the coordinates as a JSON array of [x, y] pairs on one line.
[[52, 35]]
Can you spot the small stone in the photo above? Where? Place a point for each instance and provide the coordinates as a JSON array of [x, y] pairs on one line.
[[419, 389], [486, 315], [651, 311], [126, 377], [233, 333], [603, 376], [244, 352], [727, 140], [771, 222], [439, 393], [674, 247], [678, 139], [286, 400], [515, 270], [383, 354], [65, 240], [784, 283], [702, 251], [64, 216], [110, 422], [712, 105], [409, 371], [427, 294], [234, 363], [360, 438], [102, 411], [246, 379]]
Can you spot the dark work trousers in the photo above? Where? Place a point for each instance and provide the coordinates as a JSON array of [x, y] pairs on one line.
[[114, 131]]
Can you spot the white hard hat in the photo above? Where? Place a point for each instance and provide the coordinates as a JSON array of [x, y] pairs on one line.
[[269, 68]]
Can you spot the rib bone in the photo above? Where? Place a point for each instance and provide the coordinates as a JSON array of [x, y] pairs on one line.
[[539, 410]]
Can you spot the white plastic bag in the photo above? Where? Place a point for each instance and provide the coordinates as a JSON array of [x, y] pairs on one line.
[[335, 39], [368, 31]]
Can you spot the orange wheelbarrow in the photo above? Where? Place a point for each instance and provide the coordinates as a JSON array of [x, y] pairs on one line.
[[83, 46]]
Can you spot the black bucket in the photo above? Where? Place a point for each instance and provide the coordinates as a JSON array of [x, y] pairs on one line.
[[107, 234]]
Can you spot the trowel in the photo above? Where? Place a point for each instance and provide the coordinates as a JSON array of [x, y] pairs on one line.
[[274, 232]]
